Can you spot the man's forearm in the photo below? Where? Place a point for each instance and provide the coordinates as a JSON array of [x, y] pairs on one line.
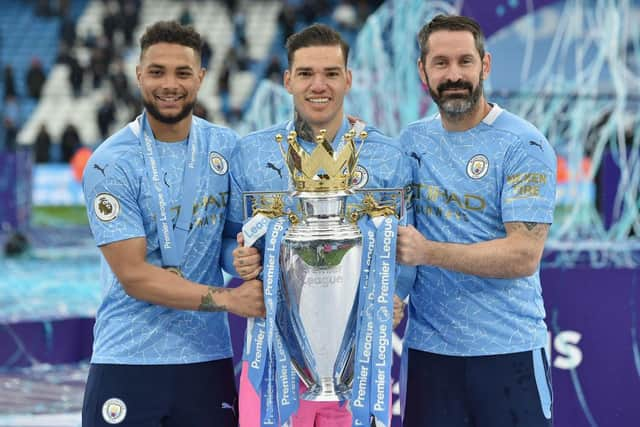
[[499, 258], [157, 286]]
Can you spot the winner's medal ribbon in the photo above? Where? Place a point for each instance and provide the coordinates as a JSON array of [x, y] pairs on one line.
[[273, 240], [258, 341], [268, 415], [286, 381], [364, 338], [172, 241], [252, 230], [383, 289]]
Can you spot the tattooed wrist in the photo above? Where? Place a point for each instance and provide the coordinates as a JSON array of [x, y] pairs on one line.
[[207, 303]]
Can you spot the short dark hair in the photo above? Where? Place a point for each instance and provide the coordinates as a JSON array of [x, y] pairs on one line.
[[316, 35], [450, 23], [171, 32]]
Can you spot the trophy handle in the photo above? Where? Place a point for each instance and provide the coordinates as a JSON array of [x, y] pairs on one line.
[[380, 202], [302, 374], [269, 203]]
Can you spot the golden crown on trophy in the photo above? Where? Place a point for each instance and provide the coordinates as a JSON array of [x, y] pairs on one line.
[[322, 170]]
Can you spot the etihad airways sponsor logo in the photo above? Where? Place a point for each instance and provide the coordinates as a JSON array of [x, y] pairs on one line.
[[435, 193]]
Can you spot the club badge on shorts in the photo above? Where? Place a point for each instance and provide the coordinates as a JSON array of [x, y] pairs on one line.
[[478, 166], [106, 207], [114, 411], [360, 177], [218, 163]]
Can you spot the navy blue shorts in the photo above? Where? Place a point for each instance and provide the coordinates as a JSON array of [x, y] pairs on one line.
[[481, 391], [191, 395]]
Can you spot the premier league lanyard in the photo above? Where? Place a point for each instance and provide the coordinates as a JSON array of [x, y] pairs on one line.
[[172, 239]]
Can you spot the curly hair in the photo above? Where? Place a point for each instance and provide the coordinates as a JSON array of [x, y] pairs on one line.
[[171, 32]]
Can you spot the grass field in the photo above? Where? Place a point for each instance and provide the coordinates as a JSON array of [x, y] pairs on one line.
[[59, 215]]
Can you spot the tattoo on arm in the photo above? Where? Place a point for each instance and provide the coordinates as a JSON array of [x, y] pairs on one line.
[[207, 302], [534, 230], [303, 129]]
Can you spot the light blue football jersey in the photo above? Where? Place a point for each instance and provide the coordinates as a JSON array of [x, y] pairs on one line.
[[120, 206], [468, 184], [258, 165]]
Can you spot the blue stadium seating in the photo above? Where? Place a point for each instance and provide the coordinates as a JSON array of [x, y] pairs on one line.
[[23, 36]]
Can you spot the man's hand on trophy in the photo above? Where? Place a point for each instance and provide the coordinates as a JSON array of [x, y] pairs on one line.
[[411, 246], [246, 260], [248, 299], [398, 310]]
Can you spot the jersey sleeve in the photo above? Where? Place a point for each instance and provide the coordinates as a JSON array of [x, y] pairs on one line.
[[235, 215], [231, 211], [529, 181], [230, 227], [111, 198]]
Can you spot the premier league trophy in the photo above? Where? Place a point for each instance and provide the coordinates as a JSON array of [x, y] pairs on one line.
[[318, 305], [320, 264]]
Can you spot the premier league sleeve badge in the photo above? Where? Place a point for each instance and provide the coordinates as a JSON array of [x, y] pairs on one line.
[[106, 207]]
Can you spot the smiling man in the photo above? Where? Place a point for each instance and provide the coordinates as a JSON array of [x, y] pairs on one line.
[[156, 199], [485, 197], [318, 80]]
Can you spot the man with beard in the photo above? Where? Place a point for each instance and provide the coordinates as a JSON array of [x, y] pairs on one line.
[[485, 196], [156, 195]]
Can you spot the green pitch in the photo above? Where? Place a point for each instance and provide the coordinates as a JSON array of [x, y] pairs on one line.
[[59, 215]]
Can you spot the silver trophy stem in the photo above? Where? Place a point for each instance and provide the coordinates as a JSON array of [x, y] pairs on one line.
[[320, 264]]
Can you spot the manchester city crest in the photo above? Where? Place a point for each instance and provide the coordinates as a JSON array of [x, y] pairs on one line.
[[106, 207], [218, 163], [478, 166], [360, 177], [114, 411]]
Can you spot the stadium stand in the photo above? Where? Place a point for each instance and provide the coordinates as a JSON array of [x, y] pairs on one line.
[[59, 104], [27, 33]]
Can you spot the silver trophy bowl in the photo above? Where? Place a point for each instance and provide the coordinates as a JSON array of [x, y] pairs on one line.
[[320, 266]]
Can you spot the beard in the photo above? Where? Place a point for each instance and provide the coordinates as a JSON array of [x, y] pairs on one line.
[[163, 118], [456, 107]]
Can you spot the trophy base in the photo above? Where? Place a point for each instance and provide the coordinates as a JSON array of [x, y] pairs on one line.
[[327, 392]]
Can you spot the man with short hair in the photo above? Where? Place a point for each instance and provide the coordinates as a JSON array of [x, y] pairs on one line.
[[318, 80], [156, 195], [484, 202]]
